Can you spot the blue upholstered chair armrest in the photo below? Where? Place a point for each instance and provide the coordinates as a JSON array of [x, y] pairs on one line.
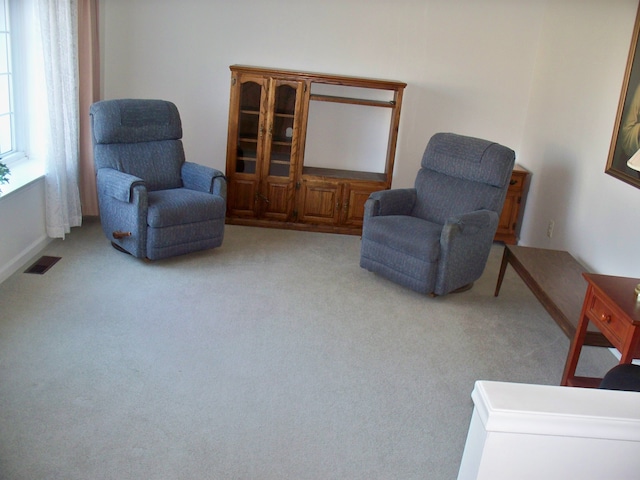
[[471, 223], [204, 179], [399, 201], [465, 243], [116, 184]]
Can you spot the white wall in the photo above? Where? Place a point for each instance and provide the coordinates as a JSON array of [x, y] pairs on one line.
[[468, 66], [22, 231], [541, 77], [578, 79]]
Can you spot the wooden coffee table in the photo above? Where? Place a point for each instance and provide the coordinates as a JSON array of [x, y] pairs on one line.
[[555, 278]]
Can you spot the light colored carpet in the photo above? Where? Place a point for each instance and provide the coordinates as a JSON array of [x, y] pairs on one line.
[[273, 357]]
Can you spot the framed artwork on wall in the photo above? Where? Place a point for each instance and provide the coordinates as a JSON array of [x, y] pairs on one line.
[[624, 152]]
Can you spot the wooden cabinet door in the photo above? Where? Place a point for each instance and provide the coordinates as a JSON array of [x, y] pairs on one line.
[[247, 118], [354, 197], [333, 202], [507, 224], [319, 202], [263, 146], [281, 150]]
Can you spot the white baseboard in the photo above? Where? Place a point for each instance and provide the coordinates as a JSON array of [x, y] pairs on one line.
[[23, 257]]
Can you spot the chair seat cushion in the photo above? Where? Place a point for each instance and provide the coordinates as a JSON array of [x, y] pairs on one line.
[[180, 206], [410, 235]]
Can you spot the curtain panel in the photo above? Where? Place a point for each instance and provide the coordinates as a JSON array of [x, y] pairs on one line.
[[58, 20], [61, 63], [89, 78]]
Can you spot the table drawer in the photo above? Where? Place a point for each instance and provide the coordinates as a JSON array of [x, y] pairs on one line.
[[602, 315]]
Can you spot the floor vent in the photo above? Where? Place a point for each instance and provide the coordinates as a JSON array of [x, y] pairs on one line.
[[42, 265]]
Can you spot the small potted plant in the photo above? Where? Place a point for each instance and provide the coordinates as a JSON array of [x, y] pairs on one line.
[[4, 174]]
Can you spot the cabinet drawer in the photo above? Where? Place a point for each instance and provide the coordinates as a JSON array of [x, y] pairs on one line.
[[516, 182], [613, 327]]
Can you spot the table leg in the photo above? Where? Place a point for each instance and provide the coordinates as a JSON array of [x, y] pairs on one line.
[[630, 347], [503, 267], [574, 350]]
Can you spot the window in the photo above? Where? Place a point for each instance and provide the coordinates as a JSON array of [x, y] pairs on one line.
[[7, 117], [19, 131]]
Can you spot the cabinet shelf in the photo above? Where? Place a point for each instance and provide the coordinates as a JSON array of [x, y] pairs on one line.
[[328, 173], [280, 157], [283, 141], [352, 101]]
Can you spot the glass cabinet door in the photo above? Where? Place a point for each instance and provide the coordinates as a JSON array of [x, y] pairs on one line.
[[263, 146], [249, 128], [281, 130], [281, 150], [245, 144]]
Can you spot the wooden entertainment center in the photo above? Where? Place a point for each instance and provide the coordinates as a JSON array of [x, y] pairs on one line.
[[270, 181], [275, 180]]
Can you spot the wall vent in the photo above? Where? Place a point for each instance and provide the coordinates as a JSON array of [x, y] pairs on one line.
[[42, 265]]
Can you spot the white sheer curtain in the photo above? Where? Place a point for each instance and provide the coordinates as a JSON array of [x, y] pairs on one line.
[[53, 108]]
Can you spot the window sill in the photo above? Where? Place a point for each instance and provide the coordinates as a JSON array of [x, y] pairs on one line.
[[23, 173]]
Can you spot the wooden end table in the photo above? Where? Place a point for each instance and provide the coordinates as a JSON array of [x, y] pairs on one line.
[[610, 304]]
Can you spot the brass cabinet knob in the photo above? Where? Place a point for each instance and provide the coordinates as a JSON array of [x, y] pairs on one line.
[[605, 318]]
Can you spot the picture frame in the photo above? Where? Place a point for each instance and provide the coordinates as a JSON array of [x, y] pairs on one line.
[[625, 141]]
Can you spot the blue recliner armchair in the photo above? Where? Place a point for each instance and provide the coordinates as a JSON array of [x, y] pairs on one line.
[[153, 204], [436, 237]]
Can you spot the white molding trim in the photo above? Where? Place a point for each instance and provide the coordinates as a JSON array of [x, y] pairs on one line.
[[531, 432], [24, 257], [558, 411]]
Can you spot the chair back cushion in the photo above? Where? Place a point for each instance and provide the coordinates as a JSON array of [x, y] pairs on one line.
[[139, 137], [461, 174]]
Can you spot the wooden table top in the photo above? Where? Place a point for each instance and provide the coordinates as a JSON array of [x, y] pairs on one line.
[[556, 279], [621, 291]]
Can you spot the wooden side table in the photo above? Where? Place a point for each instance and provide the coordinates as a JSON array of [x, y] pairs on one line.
[[610, 304]]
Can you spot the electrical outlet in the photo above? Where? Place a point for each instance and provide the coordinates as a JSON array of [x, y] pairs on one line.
[[550, 228]]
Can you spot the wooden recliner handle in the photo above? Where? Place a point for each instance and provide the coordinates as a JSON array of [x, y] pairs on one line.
[[118, 234]]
